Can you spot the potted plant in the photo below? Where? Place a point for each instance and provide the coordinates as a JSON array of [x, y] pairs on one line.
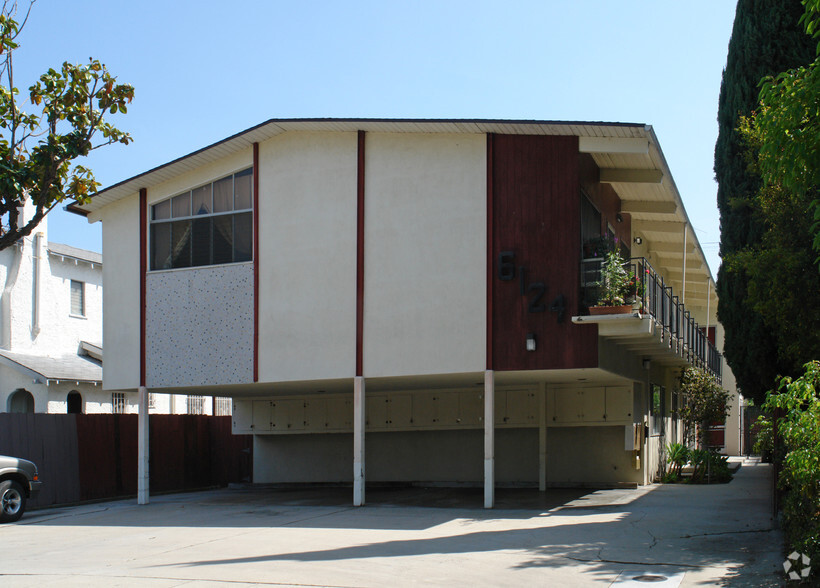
[[598, 247], [635, 292], [617, 287]]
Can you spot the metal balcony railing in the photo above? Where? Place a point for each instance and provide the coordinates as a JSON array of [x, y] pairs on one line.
[[678, 328]]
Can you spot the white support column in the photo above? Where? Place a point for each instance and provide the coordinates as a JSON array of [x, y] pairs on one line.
[[542, 438], [489, 439], [142, 442], [358, 441]]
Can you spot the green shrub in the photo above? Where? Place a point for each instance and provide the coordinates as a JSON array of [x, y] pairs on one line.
[[678, 456], [799, 427], [764, 437], [670, 478], [709, 467], [704, 402]]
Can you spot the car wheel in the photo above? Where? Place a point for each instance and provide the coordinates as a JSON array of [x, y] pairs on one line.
[[12, 501]]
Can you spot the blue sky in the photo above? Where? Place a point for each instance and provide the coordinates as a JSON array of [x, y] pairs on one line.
[[205, 70]]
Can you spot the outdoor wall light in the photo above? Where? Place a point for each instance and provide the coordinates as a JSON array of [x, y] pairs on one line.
[[530, 341], [619, 218], [638, 240], [646, 364]]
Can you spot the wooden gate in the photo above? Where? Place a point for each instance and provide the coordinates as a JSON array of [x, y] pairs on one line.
[[89, 457]]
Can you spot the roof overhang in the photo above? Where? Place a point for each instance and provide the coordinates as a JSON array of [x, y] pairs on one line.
[[47, 370], [628, 155]]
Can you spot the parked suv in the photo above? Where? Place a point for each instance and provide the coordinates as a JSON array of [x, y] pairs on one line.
[[19, 481]]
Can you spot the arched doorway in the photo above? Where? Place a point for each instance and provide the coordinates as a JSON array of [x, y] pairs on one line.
[[21, 401], [74, 403]]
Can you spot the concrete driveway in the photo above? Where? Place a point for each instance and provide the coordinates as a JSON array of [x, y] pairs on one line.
[[666, 535]]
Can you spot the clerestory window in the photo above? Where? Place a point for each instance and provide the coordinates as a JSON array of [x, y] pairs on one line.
[[209, 225]]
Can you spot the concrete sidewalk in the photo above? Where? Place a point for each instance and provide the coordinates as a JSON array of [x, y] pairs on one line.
[[691, 535]]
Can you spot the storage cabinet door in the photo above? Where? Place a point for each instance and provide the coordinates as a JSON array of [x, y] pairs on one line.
[[261, 415], [470, 407], [619, 404], [446, 408], [339, 414], [424, 410], [242, 416], [522, 407], [315, 409], [594, 405], [567, 405], [376, 416], [400, 411], [500, 405], [288, 415]]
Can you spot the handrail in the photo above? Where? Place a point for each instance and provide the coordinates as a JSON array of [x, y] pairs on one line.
[[678, 327]]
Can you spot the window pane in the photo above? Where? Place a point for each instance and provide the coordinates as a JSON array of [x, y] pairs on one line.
[[201, 241], [243, 189], [223, 195], [161, 210], [223, 239], [181, 205], [77, 298], [181, 244], [202, 200], [243, 237], [161, 246]]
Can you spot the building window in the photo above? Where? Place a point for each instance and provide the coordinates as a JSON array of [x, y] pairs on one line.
[[209, 225], [222, 406], [657, 410], [21, 401], [592, 244], [77, 298], [196, 404], [74, 403], [118, 402]]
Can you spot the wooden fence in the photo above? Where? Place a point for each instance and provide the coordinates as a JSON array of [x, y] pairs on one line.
[[86, 457]]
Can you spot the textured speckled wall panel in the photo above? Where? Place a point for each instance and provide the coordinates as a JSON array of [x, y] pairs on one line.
[[200, 326]]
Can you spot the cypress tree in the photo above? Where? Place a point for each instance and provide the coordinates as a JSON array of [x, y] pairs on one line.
[[766, 39]]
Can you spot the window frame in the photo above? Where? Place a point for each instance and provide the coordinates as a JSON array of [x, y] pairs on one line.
[[195, 404], [71, 310], [222, 406], [191, 237], [119, 403], [657, 412]]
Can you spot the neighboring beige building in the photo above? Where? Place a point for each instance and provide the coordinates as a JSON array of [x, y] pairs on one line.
[[418, 285]]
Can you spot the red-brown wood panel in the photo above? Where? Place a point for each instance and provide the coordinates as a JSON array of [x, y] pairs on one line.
[[167, 435], [536, 221], [91, 457], [97, 456]]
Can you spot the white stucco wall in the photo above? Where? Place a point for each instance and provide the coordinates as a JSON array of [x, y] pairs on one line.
[[578, 456], [59, 329], [419, 456], [52, 398], [307, 231], [734, 424], [121, 296], [56, 331], [425, 254], [36, 318]]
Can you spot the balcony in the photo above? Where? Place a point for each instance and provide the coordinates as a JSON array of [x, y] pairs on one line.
[[660, 326]]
